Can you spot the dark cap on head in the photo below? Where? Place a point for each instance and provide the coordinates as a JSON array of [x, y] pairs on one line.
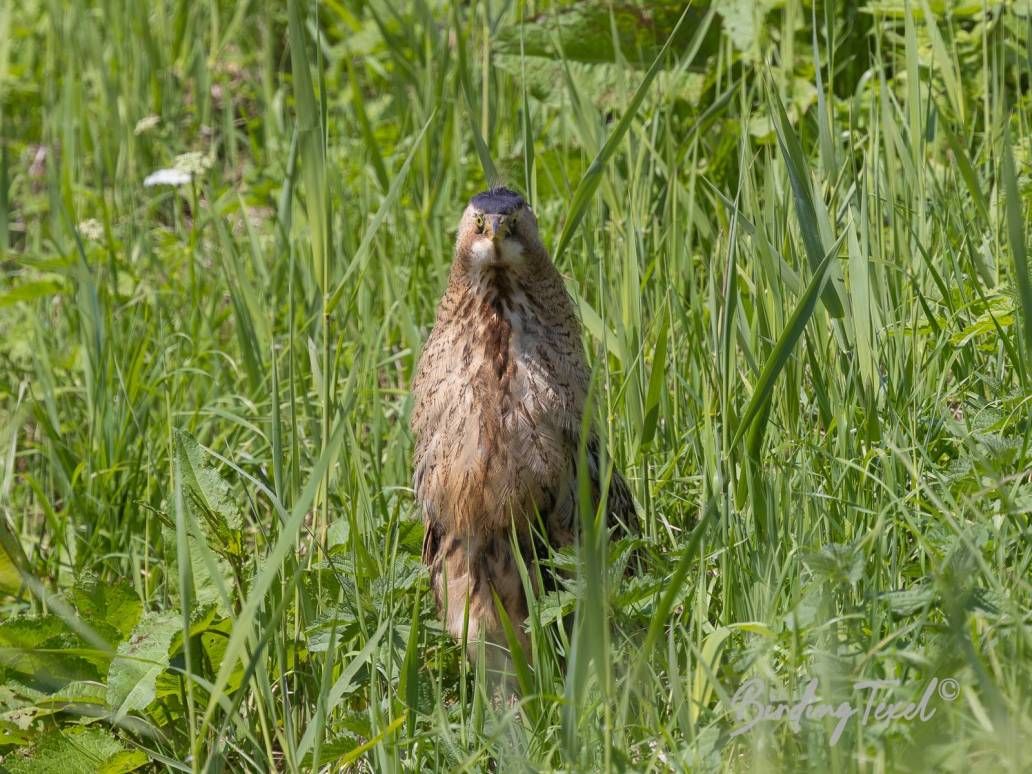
[[498, 200]]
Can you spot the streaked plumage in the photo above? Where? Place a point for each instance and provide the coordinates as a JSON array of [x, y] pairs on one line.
[[499, 396]]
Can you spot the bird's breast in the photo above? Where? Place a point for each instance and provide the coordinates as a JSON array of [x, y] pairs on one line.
[[508, 413]]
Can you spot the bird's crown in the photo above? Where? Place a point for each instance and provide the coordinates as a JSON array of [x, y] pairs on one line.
[[498, 200]]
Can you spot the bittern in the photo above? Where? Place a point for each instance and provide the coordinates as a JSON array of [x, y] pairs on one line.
[[499, 398]]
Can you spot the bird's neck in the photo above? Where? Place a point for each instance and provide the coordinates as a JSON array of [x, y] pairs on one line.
[[483, 298]]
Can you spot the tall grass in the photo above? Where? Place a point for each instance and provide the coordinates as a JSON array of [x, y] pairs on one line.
[[798, 242]]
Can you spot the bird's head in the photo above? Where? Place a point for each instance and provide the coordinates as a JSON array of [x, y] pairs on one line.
[[498, 230]]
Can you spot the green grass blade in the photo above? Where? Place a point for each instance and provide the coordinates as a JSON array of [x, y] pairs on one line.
[[1016, 236], [272, 565], [591, 179], [779, 356], [527, 126], [466, 87], [310, 141], [803, 195], [361, 256]]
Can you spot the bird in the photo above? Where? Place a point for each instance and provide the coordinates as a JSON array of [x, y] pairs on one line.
[[499, 396]]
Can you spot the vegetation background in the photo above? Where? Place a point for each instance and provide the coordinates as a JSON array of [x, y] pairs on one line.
[[797, 235]]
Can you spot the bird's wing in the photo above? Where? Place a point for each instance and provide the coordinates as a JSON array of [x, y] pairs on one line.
[[560, 516], [560, 521]]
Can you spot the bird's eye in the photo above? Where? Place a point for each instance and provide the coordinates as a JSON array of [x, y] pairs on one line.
[[480, 224]]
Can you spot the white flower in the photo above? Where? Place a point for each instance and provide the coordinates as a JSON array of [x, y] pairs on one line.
[[193, 163], [167, 177], [184, 168], [92, 229]]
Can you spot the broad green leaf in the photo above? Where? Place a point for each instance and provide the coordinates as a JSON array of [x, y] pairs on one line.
[[909, 601], [124, 762], [744, 24], [139, 661], [806, 609], [205, 575], [545, 79], [208, 488], [10, 578], [114, 604], [836, 563], [602, 33], [30, 631], [75, 750]]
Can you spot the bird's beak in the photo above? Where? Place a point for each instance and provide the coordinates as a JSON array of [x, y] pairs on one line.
[[497, 228]]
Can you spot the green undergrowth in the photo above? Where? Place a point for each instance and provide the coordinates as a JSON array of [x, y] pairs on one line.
[[797, 236]]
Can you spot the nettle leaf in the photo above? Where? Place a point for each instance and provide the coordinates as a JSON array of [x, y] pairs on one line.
[[909, 601], [341, 619], [19, 724], [596, 82], [836, 563], [21, 718], [209, 571], [10, 698], [13, 734], [205, 566], [744, 24], [960, 563], [28, 651], [209, 492], [806, 611], [123, 762], [114, 604], [81, 750], [410, 536], [402, 576], [555, 605], [140, 660], [334, 749], [585, 32], [77, 692], [26, 632]]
